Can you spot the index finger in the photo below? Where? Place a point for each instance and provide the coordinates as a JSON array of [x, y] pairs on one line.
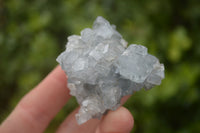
[[38, 107]]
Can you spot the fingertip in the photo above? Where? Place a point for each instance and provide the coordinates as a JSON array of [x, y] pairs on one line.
[[124, 99], [120, 121]]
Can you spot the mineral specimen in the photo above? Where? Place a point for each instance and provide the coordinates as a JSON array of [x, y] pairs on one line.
[[101, 70]]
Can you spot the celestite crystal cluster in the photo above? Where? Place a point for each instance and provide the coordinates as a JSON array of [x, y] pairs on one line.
[[101, 69]]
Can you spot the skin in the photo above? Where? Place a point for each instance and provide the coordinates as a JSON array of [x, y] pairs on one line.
[[37, 108]]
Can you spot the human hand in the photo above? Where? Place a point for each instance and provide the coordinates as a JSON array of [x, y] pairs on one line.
[[35, 111]]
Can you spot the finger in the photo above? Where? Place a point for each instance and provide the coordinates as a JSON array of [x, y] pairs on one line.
[[70, 123], [37, 108], [119, 121], [124, 99]]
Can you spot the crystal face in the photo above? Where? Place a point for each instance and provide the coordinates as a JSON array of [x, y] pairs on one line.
[[101, 69]]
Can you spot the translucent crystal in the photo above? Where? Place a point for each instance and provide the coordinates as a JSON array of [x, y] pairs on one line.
[[101, 69]]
